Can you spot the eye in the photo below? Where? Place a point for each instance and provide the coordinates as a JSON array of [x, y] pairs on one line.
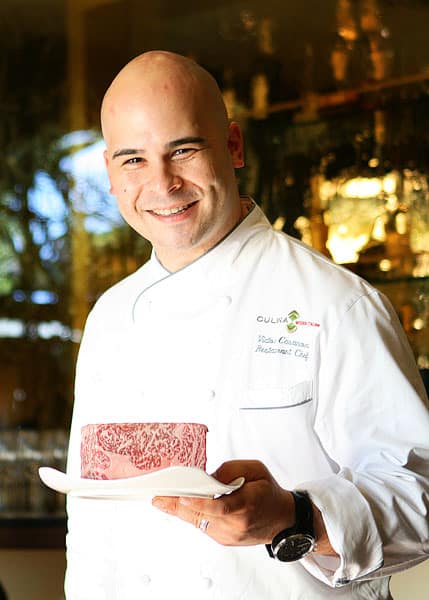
[[133, 161], [184, 152]]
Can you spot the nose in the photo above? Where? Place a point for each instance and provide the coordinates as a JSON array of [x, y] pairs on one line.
[[163, 178]]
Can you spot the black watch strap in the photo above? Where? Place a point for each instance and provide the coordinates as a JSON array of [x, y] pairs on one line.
[[303, 520]]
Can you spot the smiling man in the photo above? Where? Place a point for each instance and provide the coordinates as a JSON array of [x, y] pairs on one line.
[[171, 155], [300, 370]]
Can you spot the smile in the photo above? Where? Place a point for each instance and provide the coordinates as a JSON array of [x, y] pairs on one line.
[[166, 212]]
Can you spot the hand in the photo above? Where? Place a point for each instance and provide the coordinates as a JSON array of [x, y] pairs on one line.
[[249, 516]]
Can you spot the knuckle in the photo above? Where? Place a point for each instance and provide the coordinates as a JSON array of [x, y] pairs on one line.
[[196, 519]]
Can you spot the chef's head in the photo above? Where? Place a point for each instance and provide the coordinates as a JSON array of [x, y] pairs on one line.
[[171, 154]]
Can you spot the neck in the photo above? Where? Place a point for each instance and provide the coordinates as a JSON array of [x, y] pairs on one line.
[[175, 261]]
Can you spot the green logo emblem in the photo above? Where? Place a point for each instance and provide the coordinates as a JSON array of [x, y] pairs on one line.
[[292, 317]]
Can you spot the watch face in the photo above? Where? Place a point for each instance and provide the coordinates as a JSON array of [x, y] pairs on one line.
[[294, 547]]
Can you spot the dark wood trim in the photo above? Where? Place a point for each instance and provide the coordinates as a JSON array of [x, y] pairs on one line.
[[27, 531]]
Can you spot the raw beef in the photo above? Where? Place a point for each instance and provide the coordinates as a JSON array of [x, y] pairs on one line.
[[116, 450]]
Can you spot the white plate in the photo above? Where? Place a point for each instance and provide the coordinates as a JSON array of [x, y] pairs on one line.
[[173, 481]]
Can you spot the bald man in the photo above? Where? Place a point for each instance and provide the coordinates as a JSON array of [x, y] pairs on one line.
[[277, 350], [171, 166]]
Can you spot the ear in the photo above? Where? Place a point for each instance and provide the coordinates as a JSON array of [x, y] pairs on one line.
[[235, 145], [106, 162]]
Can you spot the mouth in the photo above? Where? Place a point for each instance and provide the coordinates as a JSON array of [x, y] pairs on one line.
[[168, 212]]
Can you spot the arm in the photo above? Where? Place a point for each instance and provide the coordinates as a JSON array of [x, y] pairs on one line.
[[252, 515], [373, 423]]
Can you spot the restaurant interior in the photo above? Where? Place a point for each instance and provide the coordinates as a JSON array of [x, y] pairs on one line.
[[333, 100]]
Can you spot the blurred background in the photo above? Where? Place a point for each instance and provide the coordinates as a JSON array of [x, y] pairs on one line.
[[333, 99]]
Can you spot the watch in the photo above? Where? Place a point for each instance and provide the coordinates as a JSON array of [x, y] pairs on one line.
[[296, 542]]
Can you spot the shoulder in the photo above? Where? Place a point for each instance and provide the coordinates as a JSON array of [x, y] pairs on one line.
[[304, 267], [116, 303], [324, 292]]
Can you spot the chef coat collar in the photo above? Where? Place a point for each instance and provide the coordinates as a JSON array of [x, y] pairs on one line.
[[253, 216], [211, 272]]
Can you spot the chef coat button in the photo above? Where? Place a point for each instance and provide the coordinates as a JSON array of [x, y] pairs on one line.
[[227, 300], [207, 582], [212, 395], [145, 579]]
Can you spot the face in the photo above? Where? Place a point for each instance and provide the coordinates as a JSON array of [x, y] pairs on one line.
[[171, 168]]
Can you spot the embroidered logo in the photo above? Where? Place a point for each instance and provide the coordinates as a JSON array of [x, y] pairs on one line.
[[290, 321]]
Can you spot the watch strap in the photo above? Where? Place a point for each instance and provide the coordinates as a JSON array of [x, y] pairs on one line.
[[303, 520]]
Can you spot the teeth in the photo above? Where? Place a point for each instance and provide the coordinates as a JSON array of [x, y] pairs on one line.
[[165, 212]]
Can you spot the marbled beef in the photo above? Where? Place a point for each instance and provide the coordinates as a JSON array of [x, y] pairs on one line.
[[117, 450]]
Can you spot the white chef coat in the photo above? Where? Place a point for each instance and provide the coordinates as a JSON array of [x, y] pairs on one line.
[[289, 359]]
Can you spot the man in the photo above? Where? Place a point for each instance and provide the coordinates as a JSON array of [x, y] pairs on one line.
[[299, 368]]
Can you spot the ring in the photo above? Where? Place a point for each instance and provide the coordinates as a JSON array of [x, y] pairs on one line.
[[203, 525]]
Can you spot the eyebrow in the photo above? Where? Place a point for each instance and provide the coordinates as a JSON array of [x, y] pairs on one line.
[[186, 140], [126, 152], [170, 145]]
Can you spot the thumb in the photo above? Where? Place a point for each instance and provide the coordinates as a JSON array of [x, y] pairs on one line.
[[251, 470]]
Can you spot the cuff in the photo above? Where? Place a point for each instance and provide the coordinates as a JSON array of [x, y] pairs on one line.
[[351, 529]]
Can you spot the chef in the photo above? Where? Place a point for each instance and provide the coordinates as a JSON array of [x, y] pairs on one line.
[[299, 369]]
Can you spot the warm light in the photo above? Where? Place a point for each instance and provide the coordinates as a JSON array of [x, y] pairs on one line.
[[401, 223], [279, 223], [362, 187], [391, 203], [358, 210], [260, 92], [348, 34], [422, 265], [327, 190], [343, 248], [302, 224], [385, 265], [390, 183], [379, 230], [418, 324]]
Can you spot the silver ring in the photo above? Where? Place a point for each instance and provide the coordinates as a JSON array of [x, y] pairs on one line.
[[203, 525]]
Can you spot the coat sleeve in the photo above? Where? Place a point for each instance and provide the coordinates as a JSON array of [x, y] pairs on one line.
[[373, 422]]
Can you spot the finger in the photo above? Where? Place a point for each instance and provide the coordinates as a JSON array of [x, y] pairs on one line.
[[172, 506], [217, 507], [167, 504], [185, 507], [251, 470], [193, 510]]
